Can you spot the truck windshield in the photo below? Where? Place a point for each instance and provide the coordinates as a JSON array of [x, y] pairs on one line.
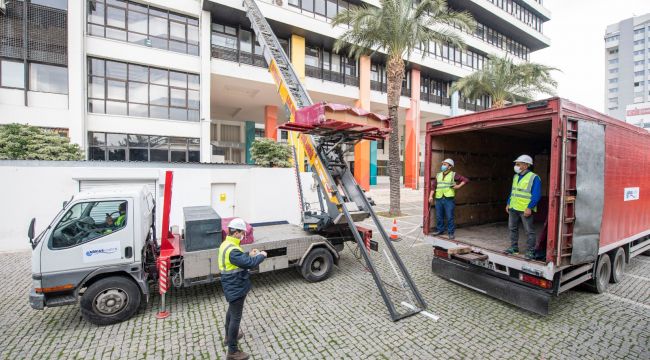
[[40, 236]]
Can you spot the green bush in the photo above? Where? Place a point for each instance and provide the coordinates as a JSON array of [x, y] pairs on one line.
[[24, 142], [268, 153]]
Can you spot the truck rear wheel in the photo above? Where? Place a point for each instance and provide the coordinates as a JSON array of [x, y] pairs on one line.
[[618, 265], [317, 266], [602, 275], [110, 300]]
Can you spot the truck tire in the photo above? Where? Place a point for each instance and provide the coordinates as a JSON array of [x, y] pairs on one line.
[[618, 265], [318, 265], [110, 300], [602, 274]]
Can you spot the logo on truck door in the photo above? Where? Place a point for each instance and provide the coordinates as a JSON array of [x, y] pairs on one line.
[[101, 252], [631, 194]]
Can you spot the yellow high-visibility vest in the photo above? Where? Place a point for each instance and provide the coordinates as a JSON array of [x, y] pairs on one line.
[[521, 193], [445, 185], [228, 245]]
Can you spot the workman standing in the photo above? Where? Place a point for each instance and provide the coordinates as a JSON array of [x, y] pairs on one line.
[[524, 196], [443, 188], [233, 266]]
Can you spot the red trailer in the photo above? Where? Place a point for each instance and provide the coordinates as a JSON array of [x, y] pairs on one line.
[[595, 210]]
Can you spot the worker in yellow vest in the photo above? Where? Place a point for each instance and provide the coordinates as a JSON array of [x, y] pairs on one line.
[[234, 263], [522, 203], [443, 190]]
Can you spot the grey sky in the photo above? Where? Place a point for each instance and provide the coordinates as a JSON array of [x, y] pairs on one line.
[[576, 29]]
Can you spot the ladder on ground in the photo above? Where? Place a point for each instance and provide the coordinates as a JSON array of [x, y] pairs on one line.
[[346, 201]]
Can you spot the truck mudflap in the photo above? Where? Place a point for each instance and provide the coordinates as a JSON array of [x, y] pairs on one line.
[[479, 279]]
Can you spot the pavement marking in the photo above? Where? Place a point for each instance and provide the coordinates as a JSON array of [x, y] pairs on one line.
[[638, 277], [425, 313], [626, 300]]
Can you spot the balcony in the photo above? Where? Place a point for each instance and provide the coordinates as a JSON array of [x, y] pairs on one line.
[[378, 86], [435, 99], [242, 57], [338, 77]]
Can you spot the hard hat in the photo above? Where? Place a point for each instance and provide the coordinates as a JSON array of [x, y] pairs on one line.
[[237, 224], [525, 159], [449, 161]]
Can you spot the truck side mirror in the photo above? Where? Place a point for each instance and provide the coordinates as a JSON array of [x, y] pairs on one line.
[[30, 232]]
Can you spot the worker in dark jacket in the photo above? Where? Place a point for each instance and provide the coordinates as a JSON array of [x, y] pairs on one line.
[[443, 190], [233, 266]]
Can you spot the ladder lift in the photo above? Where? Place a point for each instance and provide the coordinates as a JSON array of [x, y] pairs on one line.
[[344, 200]]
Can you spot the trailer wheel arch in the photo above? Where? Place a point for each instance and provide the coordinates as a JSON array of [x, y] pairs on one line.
[[328, 246]]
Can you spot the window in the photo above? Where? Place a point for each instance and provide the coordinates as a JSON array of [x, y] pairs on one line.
[[639, 52], [613, 61], [613, 81], [639, 42], [87, 221], [127, 89], [57, 4], [612, 38], [319, 7], [48, 78], [132, 147], [639, 31], [613, 71], [143, 25], [637, 63], [638, 73], [613, 51], [12, 74], [613, 90]]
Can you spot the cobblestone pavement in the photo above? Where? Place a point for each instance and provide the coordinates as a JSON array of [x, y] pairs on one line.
[[342, 317]]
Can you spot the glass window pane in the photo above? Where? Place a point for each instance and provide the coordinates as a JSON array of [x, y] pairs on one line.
[[246, 41], [116, 90], [96, 88], [96, 12], [159, 43], [159, 112], [319, 7], [116, 17], [178, 114], [138, 140], [193, 82], [331, 8], [193, 49], [116, 140], [97, 30], [138, 155], [194, 156], [138, 73], [96, 67], [308, 5], [178, 156], [12, 74], [159, 76], [117, 154], [116, 108], [138, 92], [96, 106], [178, 97], [160, 13], [177, 46], [95, 153], [137, 22], [176, 17], [177, 31], [193, 34], [157, 27], [159, 155], [97, 138], [138, 110], [158, 95], [177, 79], [118, 3], [116, 34], [116, 70], [48, 78], [136, 38], [193, 99], [137, 7], [193, 115]]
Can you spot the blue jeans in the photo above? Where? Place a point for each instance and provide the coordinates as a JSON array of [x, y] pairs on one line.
[[445, 208], [233, 319]]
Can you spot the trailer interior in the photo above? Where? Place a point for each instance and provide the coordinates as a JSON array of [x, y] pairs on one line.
[[485, 156]]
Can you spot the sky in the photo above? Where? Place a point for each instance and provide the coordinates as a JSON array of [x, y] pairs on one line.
[[576, 30]]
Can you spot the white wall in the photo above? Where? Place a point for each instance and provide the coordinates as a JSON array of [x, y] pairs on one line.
[[38, 188]]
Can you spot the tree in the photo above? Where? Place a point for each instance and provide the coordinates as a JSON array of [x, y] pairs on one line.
[[397, 28], [505, 81], [268, 153], [25, 142]]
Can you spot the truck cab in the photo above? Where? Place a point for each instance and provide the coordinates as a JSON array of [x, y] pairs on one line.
[[93, 252]]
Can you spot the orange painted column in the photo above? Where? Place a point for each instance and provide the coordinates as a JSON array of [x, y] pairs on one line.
[[412, 135], [362, 149], [271, 122]]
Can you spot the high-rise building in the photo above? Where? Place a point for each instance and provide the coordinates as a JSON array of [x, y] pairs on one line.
[[627, 64], [185, 80]]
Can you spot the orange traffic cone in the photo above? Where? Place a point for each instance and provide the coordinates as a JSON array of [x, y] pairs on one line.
[[393, 231]]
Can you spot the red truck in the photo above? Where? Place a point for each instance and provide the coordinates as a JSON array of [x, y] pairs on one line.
[[594, 215]]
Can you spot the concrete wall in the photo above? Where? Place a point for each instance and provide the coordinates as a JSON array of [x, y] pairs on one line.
[[38, 189]]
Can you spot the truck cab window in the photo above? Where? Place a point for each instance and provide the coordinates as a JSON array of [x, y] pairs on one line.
[[88, 221]]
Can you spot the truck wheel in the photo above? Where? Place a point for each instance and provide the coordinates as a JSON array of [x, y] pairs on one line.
[[317, 266], [602, 275], [618, 265], [110, 300]]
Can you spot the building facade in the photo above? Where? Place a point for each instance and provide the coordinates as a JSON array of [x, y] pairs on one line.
[[185, 80], [627, 66]]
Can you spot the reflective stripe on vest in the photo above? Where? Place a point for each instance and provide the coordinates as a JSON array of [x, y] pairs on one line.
[[445, 185], [521, 193], [225, 266]]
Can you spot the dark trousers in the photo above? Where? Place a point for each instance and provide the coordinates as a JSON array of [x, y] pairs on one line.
[[233, 318], [445, 209], [513, 225]]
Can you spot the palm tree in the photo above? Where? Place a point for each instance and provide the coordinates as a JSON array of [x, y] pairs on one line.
[[397, 28], [505, 81]]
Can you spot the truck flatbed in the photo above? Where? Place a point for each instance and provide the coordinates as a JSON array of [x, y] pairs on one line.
[[283, 232]]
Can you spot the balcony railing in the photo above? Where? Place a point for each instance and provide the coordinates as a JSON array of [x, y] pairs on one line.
[[378, 86], [334, 76], [436, 99], [241, 57]]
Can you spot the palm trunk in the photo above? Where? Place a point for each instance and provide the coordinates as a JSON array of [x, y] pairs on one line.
[[395, 75], [498, 103]]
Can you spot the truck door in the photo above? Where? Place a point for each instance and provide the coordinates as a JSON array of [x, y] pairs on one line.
[[91, 234], [583, 189]]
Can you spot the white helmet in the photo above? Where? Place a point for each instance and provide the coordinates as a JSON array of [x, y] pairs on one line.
[[449, 161], [525, 159], [237, 224]]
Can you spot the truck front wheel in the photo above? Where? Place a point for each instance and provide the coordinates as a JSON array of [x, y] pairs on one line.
[[317, 266], [110, 300]]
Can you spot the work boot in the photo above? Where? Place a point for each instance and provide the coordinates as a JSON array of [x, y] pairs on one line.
[[512, 251], [237, 355], [437, 233], [239, 337], [452, 237], [530, 255]]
